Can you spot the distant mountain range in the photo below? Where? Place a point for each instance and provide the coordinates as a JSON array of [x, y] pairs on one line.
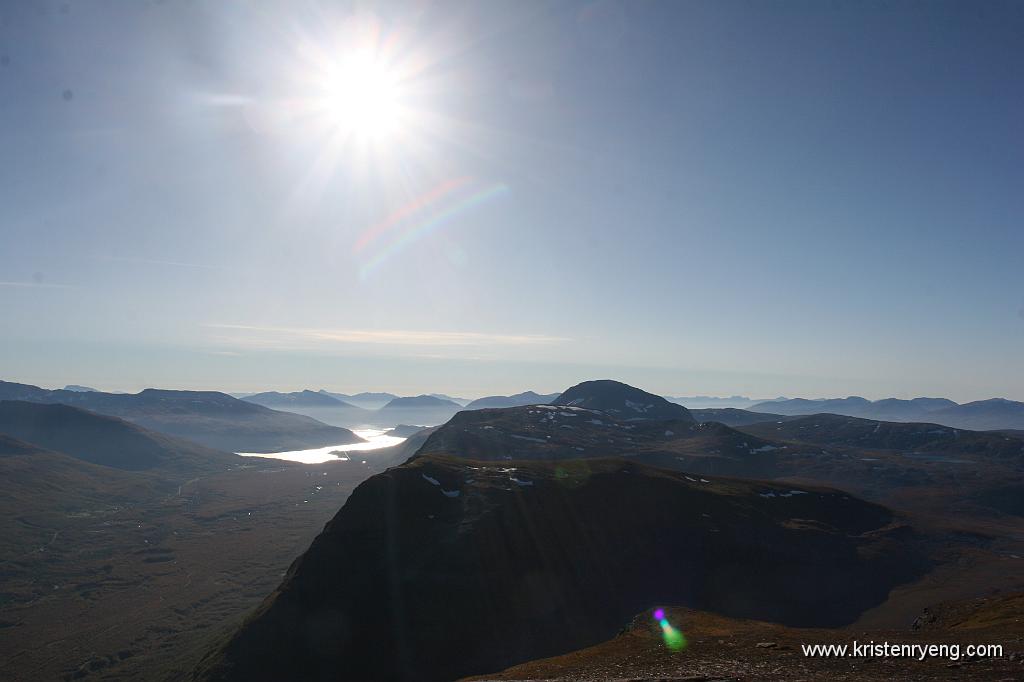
[[981, 415], [366, 400], [421, 401], [707, 401], [213, 419], [307, 398], [517, 400], [457, 401], [80, 389]]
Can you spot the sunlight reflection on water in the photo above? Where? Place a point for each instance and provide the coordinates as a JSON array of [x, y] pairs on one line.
[[375, 439]]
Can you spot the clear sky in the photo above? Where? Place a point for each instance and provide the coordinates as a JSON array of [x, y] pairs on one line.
[[802, 198]]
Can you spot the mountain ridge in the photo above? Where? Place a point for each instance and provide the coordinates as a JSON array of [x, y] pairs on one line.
[[209, 418]]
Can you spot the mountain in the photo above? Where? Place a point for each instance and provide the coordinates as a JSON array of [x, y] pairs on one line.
[[107, 441], [517, 400], [552, 432], [733, 416], [621, 400], [911, 439], [798, 406], [424, 409], [707, 401], [457, 401], [405, 430], [80, 389], [920, 468], [367, 401], [421, 401], [441, 568], [213, 419], [307, 398], [981, 415], [399, 454]]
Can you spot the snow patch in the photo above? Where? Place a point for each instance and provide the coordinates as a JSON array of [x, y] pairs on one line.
[[532, 440]]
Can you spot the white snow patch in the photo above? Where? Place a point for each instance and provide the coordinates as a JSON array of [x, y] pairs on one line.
[[451, 493], [532, 440], [430, 480], [638, 407], [670, 433]]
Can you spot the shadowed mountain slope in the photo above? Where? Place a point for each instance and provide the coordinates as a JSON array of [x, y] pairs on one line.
[[107, 441], [442, 567]]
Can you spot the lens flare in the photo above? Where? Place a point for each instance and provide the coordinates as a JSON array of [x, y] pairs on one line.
[[440, 218], [420, 203], [673, 638]]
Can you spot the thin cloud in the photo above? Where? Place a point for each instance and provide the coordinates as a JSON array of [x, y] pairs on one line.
[[291, 337], [36, 285], [152, 261]]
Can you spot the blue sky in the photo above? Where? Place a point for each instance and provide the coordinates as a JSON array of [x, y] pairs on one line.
[[799, 198]]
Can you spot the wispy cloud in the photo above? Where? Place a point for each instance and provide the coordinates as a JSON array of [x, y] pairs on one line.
[[36, 285], [156, 261], [302, 337]]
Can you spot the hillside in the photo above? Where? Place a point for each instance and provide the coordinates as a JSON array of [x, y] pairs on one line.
[[213, 419], [732, 416], [132, 570], [550, 432], [451, 567], [621, 401], [106, 441], [913, 439], [721, 648]]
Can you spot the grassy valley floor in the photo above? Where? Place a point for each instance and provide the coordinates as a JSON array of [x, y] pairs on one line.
[[136, 591]]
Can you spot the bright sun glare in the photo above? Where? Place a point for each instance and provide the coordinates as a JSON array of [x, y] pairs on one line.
[[362, 97]]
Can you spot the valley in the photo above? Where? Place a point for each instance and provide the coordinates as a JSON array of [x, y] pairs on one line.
[[795, 526]]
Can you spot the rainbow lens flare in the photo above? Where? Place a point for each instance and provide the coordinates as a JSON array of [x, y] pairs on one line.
[[674, 639]]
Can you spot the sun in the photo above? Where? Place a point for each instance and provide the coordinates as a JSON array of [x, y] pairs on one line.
[[362, 97]]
